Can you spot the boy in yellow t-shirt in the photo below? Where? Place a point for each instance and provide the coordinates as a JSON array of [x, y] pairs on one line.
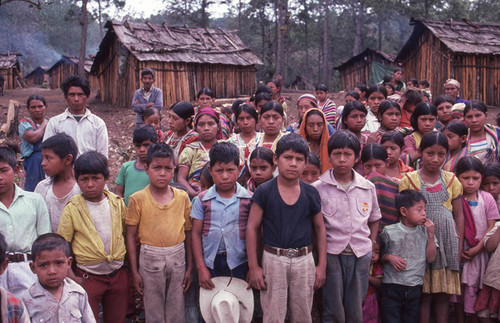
[[159, 214]]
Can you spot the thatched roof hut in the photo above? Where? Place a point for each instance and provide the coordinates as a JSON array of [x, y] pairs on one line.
[[185, 60], [11, 70], [368, 67], [66, 66], [466, 51], [38, 76]]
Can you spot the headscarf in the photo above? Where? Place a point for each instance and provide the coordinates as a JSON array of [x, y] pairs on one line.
[[453, 82], [457, 110], [206, 111], [309, 98], [323, 144]]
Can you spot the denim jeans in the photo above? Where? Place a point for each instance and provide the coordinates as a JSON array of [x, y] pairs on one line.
[[400, 303], [221, 268], [345, 287]]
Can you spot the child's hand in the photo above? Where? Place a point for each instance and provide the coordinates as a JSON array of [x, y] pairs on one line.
[[256, 279], [397, 263], [374, 137], [188, 279], [138, 283], [471, 252], [205, 279], [320, 277], [429, 226]]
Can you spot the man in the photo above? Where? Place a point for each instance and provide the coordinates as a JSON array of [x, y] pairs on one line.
[[148, 96], [88, 130], [397, 80], [452, 89]]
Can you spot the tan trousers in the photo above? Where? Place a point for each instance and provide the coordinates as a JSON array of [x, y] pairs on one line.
[[287, 279]]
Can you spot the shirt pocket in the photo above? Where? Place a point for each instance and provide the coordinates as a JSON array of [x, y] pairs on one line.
[[364, 205], [75, 315], [329, 206]]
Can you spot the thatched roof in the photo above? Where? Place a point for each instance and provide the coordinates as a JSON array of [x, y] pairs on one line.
[[161, 43], [8, 60], [464, 37], [65, 59], [387, 57]]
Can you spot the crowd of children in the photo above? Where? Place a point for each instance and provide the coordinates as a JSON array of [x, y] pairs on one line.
[[387, 208]]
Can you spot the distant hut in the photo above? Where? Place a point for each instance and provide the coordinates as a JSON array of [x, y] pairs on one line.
[[38, 76], [185, 60], [11, 70], [368, 67], [66, 66], [466, 51]]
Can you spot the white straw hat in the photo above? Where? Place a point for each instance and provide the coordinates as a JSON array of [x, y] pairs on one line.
[[230, 301]]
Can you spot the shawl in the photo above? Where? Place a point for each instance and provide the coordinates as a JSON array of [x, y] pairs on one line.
[[323, 154]]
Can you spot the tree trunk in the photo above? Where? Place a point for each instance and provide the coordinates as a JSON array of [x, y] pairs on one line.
[[279, 38], [83, 40], [379, 31], [359, 31], [101, 29], [326, 67], [286, 56]]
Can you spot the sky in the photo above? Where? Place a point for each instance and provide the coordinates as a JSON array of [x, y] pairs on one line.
[[146, 8]]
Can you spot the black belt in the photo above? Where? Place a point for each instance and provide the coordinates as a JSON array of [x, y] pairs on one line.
[[19, 257], [86, 274], [290, 253]]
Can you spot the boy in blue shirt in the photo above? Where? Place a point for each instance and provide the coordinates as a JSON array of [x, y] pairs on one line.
[[219, 217]]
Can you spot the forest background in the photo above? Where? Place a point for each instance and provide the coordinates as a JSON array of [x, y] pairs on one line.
[[305, 38]]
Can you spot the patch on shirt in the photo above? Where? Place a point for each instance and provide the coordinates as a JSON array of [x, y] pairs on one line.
[[365, 207]]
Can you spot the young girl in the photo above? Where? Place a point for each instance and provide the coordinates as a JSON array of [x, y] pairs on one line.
[[349, 96], [442, 191], [491, 181], [311, 173], [409, 101], [271, 120], [354, 119], [456, 133], [325, 104], [393, 142], [195, 155], [260, 99], [246, 120], [31, 130], [304, 103], [482, 141], [370, 306], [206, 99], [314, 129], [443, 105], [261, 167], [152, 117], [361, 89], [374, 159], [389, 115], [180, 119], [480, 214], [376, 94], [423, 120]]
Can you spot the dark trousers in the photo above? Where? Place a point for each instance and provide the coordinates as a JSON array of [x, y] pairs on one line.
[[400, 303], [221, 268]]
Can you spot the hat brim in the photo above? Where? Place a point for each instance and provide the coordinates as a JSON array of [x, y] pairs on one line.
[[236, 286]]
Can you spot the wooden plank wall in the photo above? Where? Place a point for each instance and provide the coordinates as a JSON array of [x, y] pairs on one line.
[[10, 79], [358, 72], [62, 71]]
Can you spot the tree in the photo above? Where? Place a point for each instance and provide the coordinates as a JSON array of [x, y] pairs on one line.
[[36, 3]]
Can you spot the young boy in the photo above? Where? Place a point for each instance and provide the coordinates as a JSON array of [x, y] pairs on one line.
[[93, 222], [132, 177], [288, 210], [219, 217], [23, 217], [351, 214], [406, 247], [160, 215], [11, 308], [58, 156], [55, 298]]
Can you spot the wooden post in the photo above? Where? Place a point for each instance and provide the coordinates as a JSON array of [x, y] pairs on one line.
[[11, 126]]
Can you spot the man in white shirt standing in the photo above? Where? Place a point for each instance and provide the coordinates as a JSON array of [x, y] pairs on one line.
[[88, 130]]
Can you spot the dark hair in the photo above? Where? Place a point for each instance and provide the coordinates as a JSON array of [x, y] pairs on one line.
[[148, 71], [475, 104], [276, 83], [293, 142], [224, 152], [468, 163], [236, 104], [390, 85], [443, 98], [35, 97], [263, 153], [262, 96], [159, 150], [459, 128], [150, 112], [354, 94], [3, 249], [394, 136], [62, 145], [91, 162], [380, 88], [422, 109], [225, 109], [247, 108], [425, 83], [143, 133], [374, 151], [314, 160], [317, 113], [75, 81], [413, 97], [407, 198], [263, 89], [205, 91], [361, 87], [205, 173], [433, 138], [8, 155], [274, 106], [387, 79], [492, 170], [49, 242], [322, 87], [350, 107], [344, 139], [183, 109], [397, 69], [427, 95], [413, 81], [386, 105]]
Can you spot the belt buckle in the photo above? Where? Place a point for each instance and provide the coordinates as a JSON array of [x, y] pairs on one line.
[[291, 253]]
